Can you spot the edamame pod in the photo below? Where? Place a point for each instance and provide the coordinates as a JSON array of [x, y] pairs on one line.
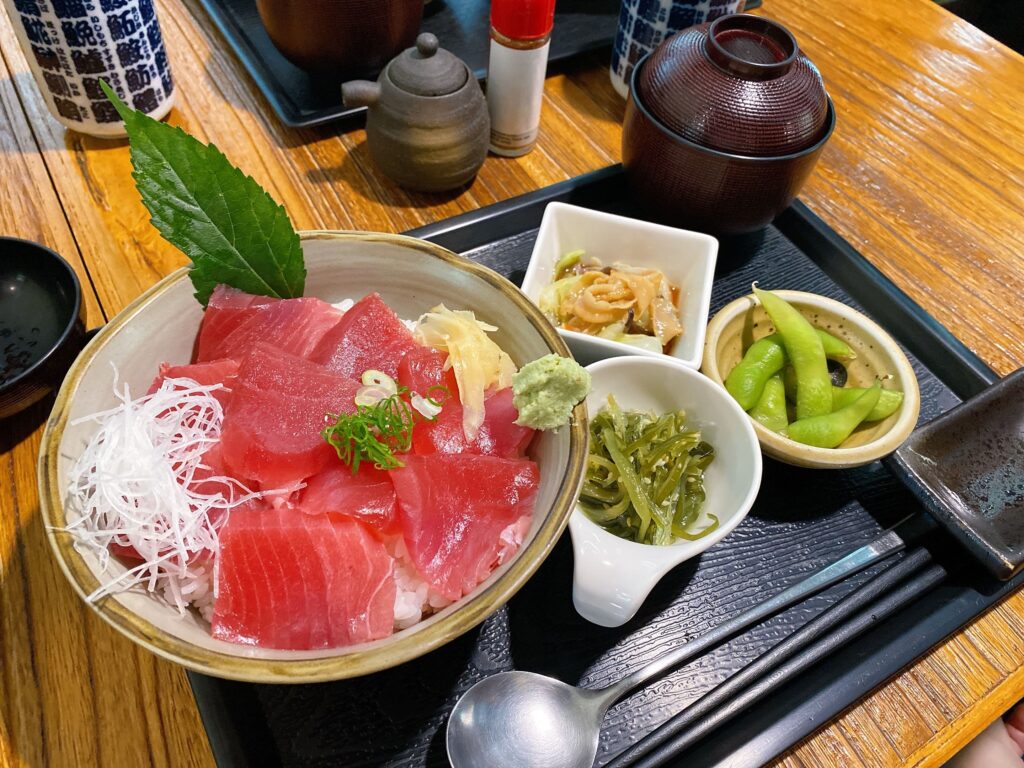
[[770, 409], [806, 353], [888, 401], [745, 382], [831, 429], [835, 348]]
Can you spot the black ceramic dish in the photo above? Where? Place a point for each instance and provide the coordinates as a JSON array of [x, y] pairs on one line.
[[42, 322], [967, 468]]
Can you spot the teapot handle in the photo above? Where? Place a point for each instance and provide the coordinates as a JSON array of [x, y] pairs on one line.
[[360, 93]]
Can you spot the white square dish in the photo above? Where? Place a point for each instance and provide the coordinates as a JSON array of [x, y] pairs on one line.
[[687, 259]]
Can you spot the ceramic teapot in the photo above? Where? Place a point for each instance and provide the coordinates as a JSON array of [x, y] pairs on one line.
[[427, 124]]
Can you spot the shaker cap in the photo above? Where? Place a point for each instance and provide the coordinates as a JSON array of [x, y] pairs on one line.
[[523, 19], [427, 69]]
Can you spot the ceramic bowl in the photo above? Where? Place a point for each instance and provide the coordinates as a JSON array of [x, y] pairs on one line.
[[411, 275], [682, 183], [686, 258], [42, 322], [739, 84], [612, 576], [737, 325]]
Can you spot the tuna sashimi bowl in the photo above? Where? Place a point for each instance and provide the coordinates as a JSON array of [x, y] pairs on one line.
[[325, 567]]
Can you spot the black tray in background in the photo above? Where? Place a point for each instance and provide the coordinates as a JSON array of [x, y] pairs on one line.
[[462, 26], [801, 520]]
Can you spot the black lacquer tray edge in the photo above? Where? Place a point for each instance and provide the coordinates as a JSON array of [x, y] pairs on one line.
[[234, 724]]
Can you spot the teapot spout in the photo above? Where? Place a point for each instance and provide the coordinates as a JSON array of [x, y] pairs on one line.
[[360, 93]]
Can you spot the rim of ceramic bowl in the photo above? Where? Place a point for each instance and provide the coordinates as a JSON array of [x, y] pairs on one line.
[[830, 125], [472, 610], [798, 454], [68, 329]]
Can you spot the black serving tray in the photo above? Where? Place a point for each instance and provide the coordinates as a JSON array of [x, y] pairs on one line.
[[462, 26], [801, 520]]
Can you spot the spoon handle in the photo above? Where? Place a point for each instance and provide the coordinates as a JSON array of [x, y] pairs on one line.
[[885, 545]]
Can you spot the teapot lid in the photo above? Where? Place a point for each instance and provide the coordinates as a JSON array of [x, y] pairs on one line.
[[427, 69]]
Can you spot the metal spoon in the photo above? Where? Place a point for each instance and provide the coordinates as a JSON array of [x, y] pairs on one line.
[[526, 720]]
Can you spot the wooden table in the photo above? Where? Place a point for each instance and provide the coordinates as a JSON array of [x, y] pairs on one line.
[[924, 175]]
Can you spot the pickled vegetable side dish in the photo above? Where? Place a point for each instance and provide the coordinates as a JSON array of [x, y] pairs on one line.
[[631, 305], [645, 476]]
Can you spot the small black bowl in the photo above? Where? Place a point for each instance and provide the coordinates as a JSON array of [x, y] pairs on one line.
[[42, 322]]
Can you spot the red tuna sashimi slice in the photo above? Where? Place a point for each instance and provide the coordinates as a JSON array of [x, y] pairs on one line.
[[226, 297], [369, 336], [273, 421], [499, 435], [453, 508], [423, 368], [301, 582], [295, 325], [367, 496], [214, 372], [226, 310]]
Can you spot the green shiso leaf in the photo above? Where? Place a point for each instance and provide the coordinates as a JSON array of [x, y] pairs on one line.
[[226, 223]]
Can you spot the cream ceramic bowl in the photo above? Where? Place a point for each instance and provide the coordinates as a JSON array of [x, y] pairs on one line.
[[612, 576], [737, 325], [412, 276]]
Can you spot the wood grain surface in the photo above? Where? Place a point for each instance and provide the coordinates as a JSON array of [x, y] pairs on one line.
[[924, 175]]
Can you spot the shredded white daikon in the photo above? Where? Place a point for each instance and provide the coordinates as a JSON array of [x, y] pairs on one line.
[[135, 486]]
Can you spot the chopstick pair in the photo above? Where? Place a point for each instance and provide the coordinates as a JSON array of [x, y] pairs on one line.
[[813, 642]]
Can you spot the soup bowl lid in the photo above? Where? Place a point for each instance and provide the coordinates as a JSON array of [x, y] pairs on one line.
[[739, 84]]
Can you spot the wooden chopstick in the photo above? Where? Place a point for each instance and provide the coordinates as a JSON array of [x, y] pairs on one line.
[[812, 642]]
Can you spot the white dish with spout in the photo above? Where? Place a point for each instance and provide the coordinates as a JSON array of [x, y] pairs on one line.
[[612, 576]]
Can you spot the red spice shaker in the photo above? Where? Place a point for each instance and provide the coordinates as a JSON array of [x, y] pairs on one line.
[[520, 38]]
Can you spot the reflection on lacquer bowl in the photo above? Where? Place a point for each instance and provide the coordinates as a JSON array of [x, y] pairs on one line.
[[613, 576], [411, 276]]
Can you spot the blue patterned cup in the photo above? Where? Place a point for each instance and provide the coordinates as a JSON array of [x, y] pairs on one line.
[[643, 24], [72, 44]]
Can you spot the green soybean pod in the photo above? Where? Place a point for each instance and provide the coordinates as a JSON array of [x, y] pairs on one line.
[[770, 409], [830, 429], [806, 353], [888, 401], [835, 348], [789, 382], [745, 382]]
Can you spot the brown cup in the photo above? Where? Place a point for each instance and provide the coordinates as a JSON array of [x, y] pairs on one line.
[[688, 185], [341, 38]]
